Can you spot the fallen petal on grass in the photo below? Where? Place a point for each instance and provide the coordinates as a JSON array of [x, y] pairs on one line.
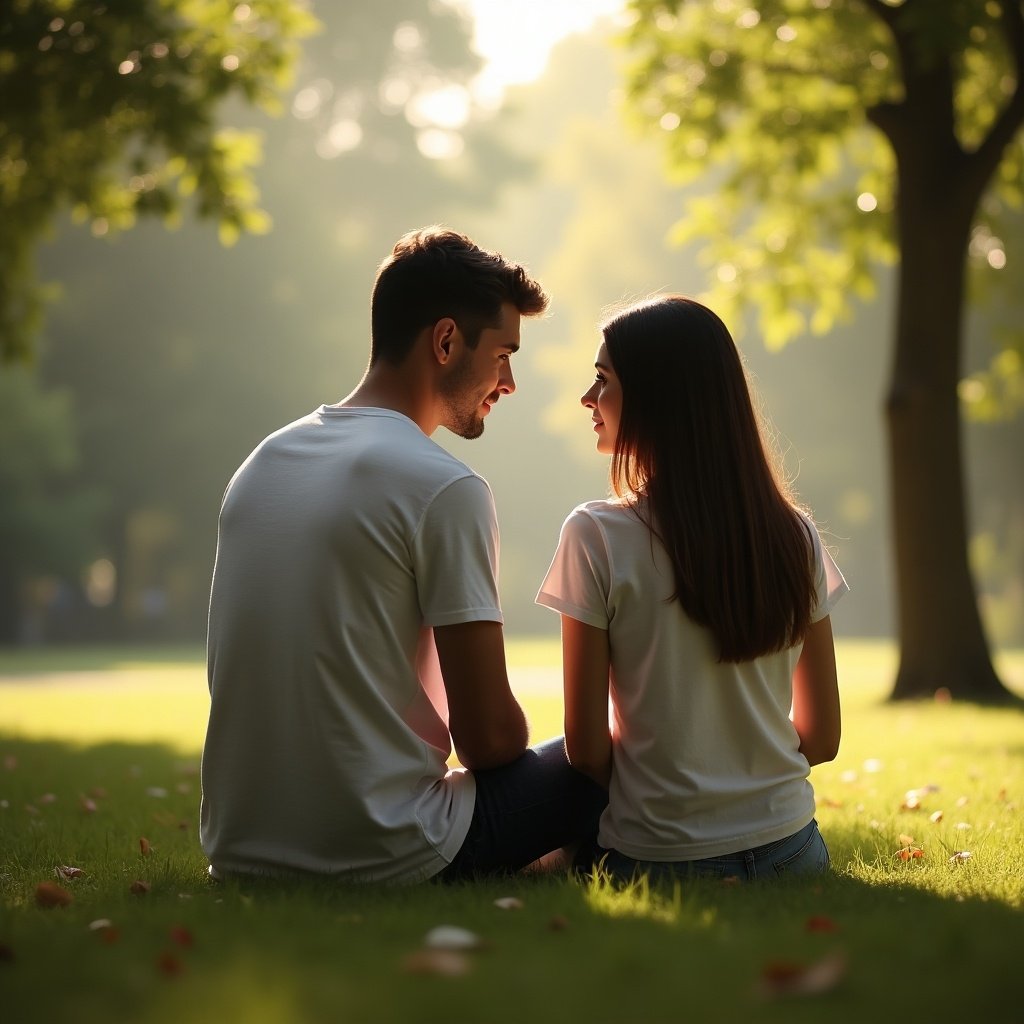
[[447, 936], [960, 856], [509, 903], [169, 964], [100, 923], [935, 817], [66, 871], [105, 931], [87, 804], [821, 923], [446, 962], [50, 895], [139, 888], [782, 978]]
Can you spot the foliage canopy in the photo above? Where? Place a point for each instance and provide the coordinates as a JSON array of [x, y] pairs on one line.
[[109, 109], [779, 100]]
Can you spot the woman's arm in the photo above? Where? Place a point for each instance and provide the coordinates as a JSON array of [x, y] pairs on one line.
[[816, 714], [585, 663]]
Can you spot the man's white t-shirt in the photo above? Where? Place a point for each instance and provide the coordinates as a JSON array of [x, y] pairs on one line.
[[705, 759], [344, 538]]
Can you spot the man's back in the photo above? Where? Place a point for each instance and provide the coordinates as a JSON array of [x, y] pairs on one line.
[[342, 538]]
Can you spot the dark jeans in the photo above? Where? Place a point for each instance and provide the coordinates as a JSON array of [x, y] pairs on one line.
[[803, 853], [526, 809]]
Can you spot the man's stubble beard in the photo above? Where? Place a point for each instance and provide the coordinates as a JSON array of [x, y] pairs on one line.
[[461, 416]]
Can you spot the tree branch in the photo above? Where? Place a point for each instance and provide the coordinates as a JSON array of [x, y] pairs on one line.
[[1006, 126], [985, 159]]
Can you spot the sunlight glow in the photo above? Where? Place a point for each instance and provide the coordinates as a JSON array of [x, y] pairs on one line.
[[515, 38], [866, 202], [438, 144], [996, 259], [441, 106]]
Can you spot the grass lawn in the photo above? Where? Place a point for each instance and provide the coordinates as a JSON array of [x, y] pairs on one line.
[[100, 751]]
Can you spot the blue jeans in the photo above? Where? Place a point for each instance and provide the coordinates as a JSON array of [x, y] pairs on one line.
[[803, 853], [536, 804]]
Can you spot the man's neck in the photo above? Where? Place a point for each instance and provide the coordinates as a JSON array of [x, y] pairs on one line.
[[385, 388]]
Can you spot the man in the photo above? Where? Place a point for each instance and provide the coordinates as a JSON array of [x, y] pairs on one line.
[[355, 631]]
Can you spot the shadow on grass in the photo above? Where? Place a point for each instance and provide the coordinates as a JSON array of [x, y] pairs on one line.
[[29, 661], [311, 949]]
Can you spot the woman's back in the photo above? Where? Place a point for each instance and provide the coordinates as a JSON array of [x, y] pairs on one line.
[[704, 752]]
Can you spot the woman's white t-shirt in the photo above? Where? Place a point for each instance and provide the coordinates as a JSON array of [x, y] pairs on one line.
[[705, 757]]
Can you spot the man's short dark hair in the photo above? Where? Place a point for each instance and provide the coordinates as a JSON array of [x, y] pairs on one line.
[[433, 273]]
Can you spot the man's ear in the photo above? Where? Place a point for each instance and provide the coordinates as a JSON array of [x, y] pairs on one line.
[[442, 336]]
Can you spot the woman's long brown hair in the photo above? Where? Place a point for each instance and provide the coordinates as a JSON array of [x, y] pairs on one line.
[[689, 441]]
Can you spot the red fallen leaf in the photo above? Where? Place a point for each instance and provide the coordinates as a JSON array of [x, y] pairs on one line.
[[781, 972], [67, 871], [820, 923], [106, 931], [144, 847], [169, 963], [181, 936], [50, 894], [910, 852], [139, 888], [782, 978], [447, 962]]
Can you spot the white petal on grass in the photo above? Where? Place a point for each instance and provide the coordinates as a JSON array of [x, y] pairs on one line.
[[509, 903], [449, 936]]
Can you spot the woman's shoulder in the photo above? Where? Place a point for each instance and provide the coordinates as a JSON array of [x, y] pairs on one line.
[[604, 511]]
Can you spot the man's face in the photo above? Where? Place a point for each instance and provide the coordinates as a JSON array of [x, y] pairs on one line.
[[479, 377]]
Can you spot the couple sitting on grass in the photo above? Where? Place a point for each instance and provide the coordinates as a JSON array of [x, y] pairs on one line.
[[355, 632]]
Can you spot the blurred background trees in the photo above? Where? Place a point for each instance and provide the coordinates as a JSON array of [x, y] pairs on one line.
[[166, 357]]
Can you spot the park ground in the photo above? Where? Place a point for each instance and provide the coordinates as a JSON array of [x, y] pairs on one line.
[[106, 912]]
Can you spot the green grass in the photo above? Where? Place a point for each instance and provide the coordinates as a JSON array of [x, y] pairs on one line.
[[926, 938]]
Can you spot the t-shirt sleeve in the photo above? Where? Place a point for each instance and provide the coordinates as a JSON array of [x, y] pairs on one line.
[[829, 584], [455, 555], [578, 582]]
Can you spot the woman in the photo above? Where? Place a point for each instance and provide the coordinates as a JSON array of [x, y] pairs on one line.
[[698, 599]]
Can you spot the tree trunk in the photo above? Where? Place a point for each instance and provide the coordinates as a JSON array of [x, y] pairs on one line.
[[943, 649]]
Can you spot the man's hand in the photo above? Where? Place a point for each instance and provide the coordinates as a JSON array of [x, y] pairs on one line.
[[486, 722]]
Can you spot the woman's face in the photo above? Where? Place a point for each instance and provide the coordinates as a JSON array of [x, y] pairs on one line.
[[604, 400]]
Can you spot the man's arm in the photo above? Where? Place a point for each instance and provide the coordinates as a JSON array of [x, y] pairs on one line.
[[487, 724], [816, 713], [585, 662]]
